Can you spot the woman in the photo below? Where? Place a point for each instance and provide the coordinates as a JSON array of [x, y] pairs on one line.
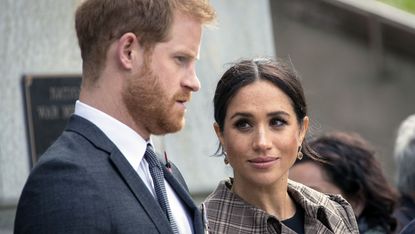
[[261, 121], [350, 169]]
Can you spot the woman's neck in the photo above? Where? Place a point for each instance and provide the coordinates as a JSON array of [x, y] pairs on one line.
[[273, 199]]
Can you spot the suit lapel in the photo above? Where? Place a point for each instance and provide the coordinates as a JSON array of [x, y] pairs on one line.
[[144, 197], [184, 195]]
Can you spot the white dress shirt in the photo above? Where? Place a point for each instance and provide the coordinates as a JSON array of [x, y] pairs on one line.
[[133, 147]]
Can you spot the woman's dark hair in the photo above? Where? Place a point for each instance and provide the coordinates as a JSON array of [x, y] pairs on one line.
[[350, 164], [246, 72]]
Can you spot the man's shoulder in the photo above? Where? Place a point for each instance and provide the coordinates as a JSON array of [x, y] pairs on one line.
[[79, 138], [71, 158], [65, 179], [60, 184], [68, 147], [68, 152]]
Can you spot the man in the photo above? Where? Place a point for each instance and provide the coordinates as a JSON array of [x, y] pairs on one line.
[[405, 160], [100, 175]]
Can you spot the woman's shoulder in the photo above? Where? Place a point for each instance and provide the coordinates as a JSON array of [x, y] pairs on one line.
[[313, 197], [222, 198], [334, 206], [222, 204], [221, 192]]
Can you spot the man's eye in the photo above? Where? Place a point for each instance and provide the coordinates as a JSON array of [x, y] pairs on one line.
[[181, 59]]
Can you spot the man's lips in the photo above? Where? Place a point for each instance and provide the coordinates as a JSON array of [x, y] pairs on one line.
[[182, 103], [183, 99]]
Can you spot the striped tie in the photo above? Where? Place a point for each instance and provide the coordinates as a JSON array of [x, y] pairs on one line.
[[158, 179]]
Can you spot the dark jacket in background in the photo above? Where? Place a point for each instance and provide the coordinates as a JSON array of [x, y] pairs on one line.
[[409, 229], [405, 212]]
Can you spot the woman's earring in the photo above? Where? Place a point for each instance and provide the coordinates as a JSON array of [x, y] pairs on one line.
[[225, 160], [300, 154]]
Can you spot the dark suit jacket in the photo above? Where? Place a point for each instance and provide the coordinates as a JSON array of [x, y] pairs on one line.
[[83, 184], [405, 211], [409, 229]]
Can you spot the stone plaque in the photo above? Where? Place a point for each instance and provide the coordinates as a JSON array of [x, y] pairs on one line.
[[49, 102]]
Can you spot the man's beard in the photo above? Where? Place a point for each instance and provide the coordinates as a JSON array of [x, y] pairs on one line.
[[149, 105]]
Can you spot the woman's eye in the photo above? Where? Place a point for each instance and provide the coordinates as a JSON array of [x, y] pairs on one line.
[[242, 124], [277, 122]]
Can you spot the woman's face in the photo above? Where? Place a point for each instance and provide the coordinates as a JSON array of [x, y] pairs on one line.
[[261, 134]]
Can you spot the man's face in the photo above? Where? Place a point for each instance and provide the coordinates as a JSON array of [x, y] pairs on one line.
[[156, 97]]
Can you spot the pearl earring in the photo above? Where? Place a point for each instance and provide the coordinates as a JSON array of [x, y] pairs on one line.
[[225, 160], [300, 154]]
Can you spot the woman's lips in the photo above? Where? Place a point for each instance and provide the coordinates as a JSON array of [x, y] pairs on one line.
[[263, 162]]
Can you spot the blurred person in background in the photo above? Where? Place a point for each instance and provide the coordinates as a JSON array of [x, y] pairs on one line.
[[261, 121], [349, 168], [405, 160]]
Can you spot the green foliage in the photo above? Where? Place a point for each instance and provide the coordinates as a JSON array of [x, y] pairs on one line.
[[407, 5]]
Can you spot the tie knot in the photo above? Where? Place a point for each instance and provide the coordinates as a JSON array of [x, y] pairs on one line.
[[151, 157]]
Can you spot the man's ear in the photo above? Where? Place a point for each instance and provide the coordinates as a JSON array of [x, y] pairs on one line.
[[128, 50], [218, 132]]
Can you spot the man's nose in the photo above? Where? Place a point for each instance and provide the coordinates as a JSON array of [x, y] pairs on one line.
[[191, 81]]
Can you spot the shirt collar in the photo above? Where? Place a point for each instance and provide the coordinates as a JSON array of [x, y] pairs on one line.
[[129, 142]]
